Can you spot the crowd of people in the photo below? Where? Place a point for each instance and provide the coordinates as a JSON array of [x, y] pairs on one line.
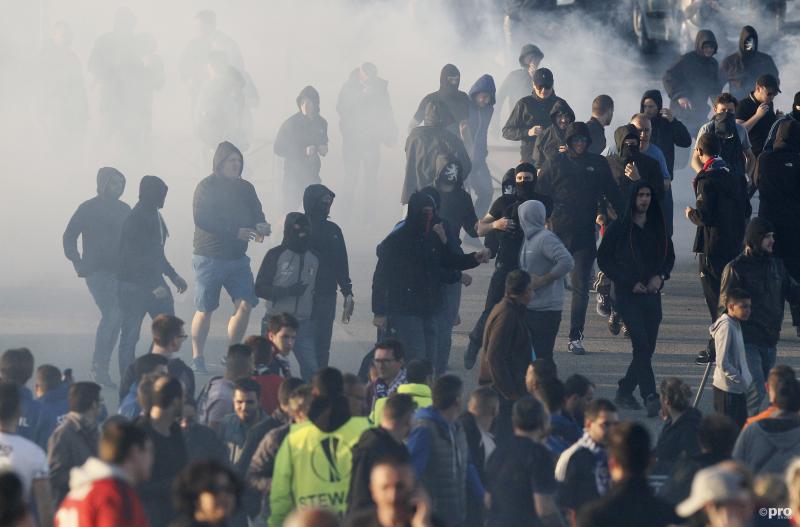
[[402, 442]]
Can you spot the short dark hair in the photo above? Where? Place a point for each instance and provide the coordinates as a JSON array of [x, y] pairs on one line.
[[737, 294], [677, 393], [261, 348], [199, 477], [48, 377], [529, 414], [82, 395], [577, 384], [517, 282], [238, 360], [778, 374], [629, 446], [398, 405], [13, 501], [717, 433], [148, 363], [281, 320], [166, 328], [286, 388], [446, 391], [594, 408], [165, 391], [602, 104], [787, 396], [247, 385], [484, 397], [328, 382], [397, 347], [9, 401], [726, 98], [117, 440], [709, 144], [551, 393], [418, 371], [300, 398], [545, 369], [16, 365]]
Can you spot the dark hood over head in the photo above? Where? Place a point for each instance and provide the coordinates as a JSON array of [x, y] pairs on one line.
[[415, 219], [448, 71], [530, 49], [757, 229], [561, 106], [312, 201], [329, 413], [291, 235], [653, 212], [224, 151], [104, 176], [152, 191], [311, 93], [787, 137], [576, 129], [433, 114], [626, 131], [485, 83], [442, 163], [747, 32], [704, 36], [655, 95], [432, 193], [509, 181]]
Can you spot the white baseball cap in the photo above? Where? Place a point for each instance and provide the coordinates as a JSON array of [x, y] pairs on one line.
[[714, 484]]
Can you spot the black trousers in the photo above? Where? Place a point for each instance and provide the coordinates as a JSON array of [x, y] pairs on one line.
[[642, 316], [543, 328], [324, 313], [734, 405], [496, 292]]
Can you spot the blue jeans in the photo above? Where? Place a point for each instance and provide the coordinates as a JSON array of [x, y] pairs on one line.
[[104, 287], [418, 334], [304, 349], [445, 319], [760, 359], [135, 301]]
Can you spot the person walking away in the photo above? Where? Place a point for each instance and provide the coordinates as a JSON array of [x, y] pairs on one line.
[[732, 377]]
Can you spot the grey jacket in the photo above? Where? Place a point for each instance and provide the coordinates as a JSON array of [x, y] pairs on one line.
[[72, 443], [731, 373], [768, 446], [542, 252]]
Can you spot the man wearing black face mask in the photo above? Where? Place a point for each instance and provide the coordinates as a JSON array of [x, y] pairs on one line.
[[407, 283], [454, 102], [287, 280], [143, 264], [98, 222], [327, 243], [737, 151], [630, 164], [741, 69]]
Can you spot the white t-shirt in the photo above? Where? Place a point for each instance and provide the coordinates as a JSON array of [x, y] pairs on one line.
[[25, 458]]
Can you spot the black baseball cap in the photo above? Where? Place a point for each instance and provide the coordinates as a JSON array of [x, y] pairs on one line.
[[768, 81], [543, 77]]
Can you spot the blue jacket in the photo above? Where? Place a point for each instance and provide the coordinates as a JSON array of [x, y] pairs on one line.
[[479, 119], [129, 407], [30, 410], [53, 407]]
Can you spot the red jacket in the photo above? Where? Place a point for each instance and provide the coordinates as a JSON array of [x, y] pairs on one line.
[[100, 497]]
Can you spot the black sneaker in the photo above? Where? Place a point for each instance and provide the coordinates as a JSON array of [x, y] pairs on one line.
[[603, 306], [653, 405], [614, 323], [576, 346], [627, 401], [703, 357], [471, 355], [103, 378]]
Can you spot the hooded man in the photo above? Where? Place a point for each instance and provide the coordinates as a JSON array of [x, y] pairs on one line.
[[517, 83], [637, 255], [793, 115], [481, 109], [576, 181], [327, 243], [301, 140], [227, 216], [454, 108], [552, 140], [143, 265], [693, 79], [531, 114], [741, 69], [758, 272], [287, 280], [424, 144], [407, 283], [629, 164], [668, 131], [98, 222]]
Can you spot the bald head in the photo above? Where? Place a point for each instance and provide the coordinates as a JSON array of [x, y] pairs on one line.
[[645, 128]]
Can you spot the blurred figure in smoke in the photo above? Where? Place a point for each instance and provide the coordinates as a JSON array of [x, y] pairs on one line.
[[366, 120], [481, 108], [741, 69], [99, 222], [425, 144], [454, 103], [517, 83], [520, 15], [301, 140], [148, 79], [62, 97], [143, 264]]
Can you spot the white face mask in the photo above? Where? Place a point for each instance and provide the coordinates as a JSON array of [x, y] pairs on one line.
[[451, 173], [749, 44]]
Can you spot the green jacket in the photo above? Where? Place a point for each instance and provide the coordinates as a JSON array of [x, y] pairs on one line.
[[421, 393]]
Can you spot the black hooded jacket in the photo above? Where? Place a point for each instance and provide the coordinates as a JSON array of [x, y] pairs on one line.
[[456, 205], [666, 135], [221, 207], [695, 77], [98, 222], [408, 278], [529, 111], [597, 133], [144, 233], [454, 102], [547, 144], [327, 242], [376, 444], [770, 286], [576, 185], [778, 181], [518, 83], [296, 134], [742, 68], [647, 166], [424, 144], [629, 254]]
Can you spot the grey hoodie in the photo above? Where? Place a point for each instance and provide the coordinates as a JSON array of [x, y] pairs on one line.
[[769, 445], [542, 252], [731, 374]]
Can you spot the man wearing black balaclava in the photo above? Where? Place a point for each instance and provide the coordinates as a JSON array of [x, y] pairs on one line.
[[504, 238], [98, 222], [287, 280], [576, 181], [327, 243], [143, 265], [741, 68], [407, 283], [629, 164], [455, 103]]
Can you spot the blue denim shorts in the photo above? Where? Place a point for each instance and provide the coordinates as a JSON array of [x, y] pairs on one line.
[[212, 274]]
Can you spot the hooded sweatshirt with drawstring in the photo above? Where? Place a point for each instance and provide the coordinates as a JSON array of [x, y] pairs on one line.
[[548, 143], [327, 243], [648, 168], [455, 103], [528, 112], [296, 134], [98, 222], [742, 68], [221, 207], [475, 137]]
